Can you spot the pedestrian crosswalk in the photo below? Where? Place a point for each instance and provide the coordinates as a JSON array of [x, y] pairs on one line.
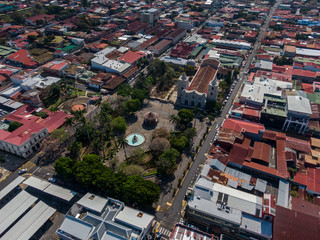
[[165, 233]]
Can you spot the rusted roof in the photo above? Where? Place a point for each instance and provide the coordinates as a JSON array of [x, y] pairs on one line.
[[281, 158], [261, 151], [238, 153], [298, 144]]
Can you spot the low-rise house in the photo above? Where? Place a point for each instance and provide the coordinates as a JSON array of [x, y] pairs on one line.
[[176, 35], [39, 19], [21, 58], [56, 67], [160, 47]]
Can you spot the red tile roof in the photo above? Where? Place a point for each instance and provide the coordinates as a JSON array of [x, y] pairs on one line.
[[240, 125], [310, 179], [131, 57], [21, 134], [304, 73], [22, 56], [204, 76], [52, 121], [295, 225], [41, 17], [308, 88], [147, 43], [251, 112]]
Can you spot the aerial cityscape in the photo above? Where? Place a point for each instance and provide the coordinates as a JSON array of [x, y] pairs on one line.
[[160, 120]]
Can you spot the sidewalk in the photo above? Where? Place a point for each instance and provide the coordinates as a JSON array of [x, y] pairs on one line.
[[168, 191]]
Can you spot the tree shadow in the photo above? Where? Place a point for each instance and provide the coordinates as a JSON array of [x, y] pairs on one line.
[[148, 127], [166, 183], [132, 119]]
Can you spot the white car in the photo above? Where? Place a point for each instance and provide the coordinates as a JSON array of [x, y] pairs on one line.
[[22, 171], [53, 180]]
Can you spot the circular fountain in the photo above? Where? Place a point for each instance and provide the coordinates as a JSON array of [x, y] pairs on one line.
[[135, 139]]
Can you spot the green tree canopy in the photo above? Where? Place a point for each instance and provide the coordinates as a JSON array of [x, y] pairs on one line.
[[88, 170], [140, 191], [64, 167], [167, 161], [185, 116], [118, 125], [179, 143], [130, 106], [31, 38], [13, 126], [84, 134], [75, 150], [94, 176]]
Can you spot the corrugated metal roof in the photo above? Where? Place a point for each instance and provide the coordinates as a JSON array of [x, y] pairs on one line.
[[30, 223], [216, 164], [283, 194], [14, 209], [60, 192], [11, 186], [37, 183], [50, 188], [261, 185]]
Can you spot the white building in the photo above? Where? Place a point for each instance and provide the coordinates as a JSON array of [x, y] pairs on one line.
[[95, 217], [214, 205], [202, 88], [254, 93], [23, 141], [298, 114]]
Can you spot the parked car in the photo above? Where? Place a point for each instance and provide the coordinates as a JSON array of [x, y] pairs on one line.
[[22, 171], [53, 180]]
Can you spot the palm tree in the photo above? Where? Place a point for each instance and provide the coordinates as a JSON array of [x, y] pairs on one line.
[[78, 116], [195, 111], [123, 143], [174, 119], [69, 122]]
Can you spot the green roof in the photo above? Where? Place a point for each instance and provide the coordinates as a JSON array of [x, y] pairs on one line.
[[87, 75], [314, 97], [196, 51], [275, 99], [302, 59], [275, 111], [5, 51]]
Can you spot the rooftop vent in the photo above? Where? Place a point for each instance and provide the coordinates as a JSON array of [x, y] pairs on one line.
[[140, 214], [92, 197]]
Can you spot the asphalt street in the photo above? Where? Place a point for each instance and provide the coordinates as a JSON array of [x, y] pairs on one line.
[[172, 215]]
